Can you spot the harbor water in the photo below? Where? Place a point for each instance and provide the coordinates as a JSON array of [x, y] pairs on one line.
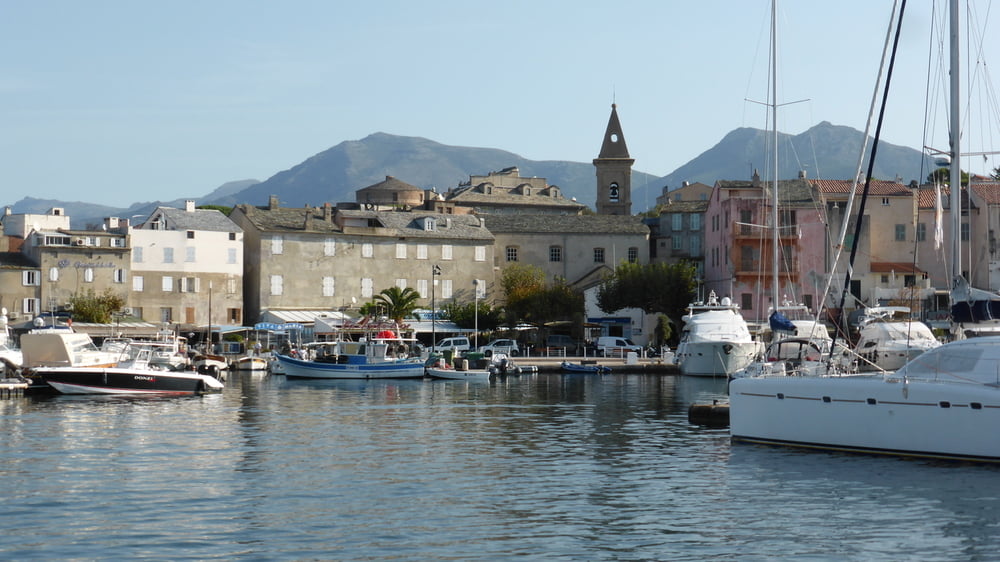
[[536, 467]]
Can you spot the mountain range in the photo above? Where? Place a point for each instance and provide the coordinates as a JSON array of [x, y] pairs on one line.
[[825, 150]]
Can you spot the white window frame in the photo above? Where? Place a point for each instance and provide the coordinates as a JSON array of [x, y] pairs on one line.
[[31, 278], [231, 256], [446, 291], [88, 275], [53, 274], [422, 288], [367, 287], [401, 283], [446, 251], [330, 247], [421, 251], [480, 253], [367, 250], [137, 283], [137, 254], [119, 275], [329, 286], [167, 284], [190, 254], [277, 285], [400, 251], [277, 245], [168, 255]]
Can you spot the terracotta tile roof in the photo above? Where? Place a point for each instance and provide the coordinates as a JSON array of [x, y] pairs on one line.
[[876, 187], [988, 191], [892, 266]]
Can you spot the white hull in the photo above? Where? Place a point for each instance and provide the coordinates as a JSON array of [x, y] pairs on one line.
[[710, 359], [403, 369], [452, 374], [868, 413], [944, 404]]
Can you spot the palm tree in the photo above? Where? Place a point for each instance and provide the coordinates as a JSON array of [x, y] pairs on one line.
[[397, 303]]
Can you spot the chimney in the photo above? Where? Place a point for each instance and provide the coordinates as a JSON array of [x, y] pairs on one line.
[[802, 174], [272, 203], [189, 205], [309, 218], [327, 212]]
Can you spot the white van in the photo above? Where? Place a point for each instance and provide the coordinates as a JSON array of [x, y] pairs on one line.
[[615, 346], [460, 343]]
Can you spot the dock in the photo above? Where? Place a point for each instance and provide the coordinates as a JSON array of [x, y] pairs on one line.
[[12, 388]]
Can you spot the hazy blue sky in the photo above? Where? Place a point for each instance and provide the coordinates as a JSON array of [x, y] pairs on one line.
[[118, 101]]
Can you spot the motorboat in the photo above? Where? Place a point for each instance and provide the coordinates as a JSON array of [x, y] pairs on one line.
[[886, 343], [941, 404], [134, 373], [591, 368], [498, 365], [378, 358], [61, 347], [253, 363], [716, 340]]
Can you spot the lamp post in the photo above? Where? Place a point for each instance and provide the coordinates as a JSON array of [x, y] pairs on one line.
[[435, 271], [475, 291]]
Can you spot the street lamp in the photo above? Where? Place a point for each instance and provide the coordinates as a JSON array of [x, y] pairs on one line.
[[475, 290], [435, 271]]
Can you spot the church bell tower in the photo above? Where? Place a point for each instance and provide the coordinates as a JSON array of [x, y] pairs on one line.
[[614, 171]]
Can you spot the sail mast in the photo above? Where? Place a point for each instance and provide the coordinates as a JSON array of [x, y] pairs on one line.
[[774, 132], [955, 131]]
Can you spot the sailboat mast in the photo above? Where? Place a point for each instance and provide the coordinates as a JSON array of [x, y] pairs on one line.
[[774, 132], [955, 131]]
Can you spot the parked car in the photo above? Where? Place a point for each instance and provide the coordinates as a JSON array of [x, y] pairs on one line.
[[460, 343], [508, 347], [612, 345], [571, 346]]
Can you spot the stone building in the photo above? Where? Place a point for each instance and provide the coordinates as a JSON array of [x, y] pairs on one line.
[[614, 171], [325, 259], [506, 192]]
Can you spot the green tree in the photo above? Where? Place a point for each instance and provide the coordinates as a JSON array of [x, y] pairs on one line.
[[91, 307], [464, 315], [655, 287], [397, 303], [520, 283], [943, 175]]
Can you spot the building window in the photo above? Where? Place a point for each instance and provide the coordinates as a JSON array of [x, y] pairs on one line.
[[189, 254], [118, 242], [421, 251], [53, 274], [921, 232], [30, 306], [88, 275], [446, 251], [190, 235], [367, 286], [401, 283], [480, 288], [137, 254], [277, 285], [746, 301], [277, 245], [31, 278], [422, 288], [677, 242], [329, 287], [231, 255], [613, 192], [446, 288], [168, 255], [480, 253], [235, 316], [694, 242], [119, 276], [167, 284], [885, 279], [190, 284], [400, 251], [330, 247], [232, 236], [598, 255], [677, 221], [885, 201], [367, 250], [137, 282], [511, 253], [555, 253], [900, 232], [633, 254], [166, 314], [965, 232], [137, 312], [695, 221]]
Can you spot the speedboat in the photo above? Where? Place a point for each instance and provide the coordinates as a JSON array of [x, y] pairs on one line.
[[379, 358], [942, 404], [134, 373], [716, 340], [497, 365]]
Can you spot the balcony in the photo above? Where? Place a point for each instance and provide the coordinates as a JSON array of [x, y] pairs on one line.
[[756, 268], [743, 231]]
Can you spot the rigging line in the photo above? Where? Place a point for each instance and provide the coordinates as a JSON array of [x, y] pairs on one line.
[[871, 163], [861, 158]]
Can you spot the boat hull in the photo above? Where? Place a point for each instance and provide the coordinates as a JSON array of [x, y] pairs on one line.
[[90, 380], [584, 369], [717, 358], [298, 368], [870, 414], [453, 374]]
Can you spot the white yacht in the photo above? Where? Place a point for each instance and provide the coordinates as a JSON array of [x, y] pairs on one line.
[[716, 340]]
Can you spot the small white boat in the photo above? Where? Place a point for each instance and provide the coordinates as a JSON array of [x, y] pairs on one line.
[[886, 343], [497, 366], [251, 363]]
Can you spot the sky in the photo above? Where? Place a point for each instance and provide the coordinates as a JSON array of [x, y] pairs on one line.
[[121, 101]]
